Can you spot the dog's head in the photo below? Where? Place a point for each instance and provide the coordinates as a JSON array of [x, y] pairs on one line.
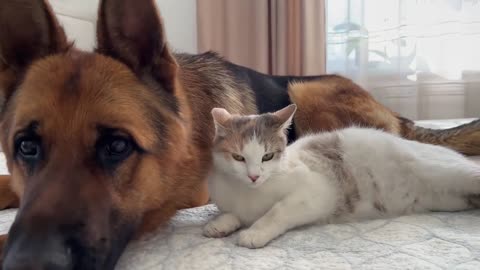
[[92, 140]]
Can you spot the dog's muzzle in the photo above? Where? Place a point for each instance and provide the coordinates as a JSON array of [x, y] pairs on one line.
[[41, 252]]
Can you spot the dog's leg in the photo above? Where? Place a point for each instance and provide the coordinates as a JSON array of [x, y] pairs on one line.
[[201, 197], [8, 199], [3, 242], [334, 102]]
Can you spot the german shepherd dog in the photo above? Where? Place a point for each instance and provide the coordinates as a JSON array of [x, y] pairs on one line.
[[105, 146]]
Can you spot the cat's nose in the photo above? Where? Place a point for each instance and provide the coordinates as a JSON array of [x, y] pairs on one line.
[[253, 177]]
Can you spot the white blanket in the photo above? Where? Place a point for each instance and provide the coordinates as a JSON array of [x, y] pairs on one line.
[[433, 241], [430, 241]]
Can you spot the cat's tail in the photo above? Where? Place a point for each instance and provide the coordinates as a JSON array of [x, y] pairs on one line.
[[464, 139]]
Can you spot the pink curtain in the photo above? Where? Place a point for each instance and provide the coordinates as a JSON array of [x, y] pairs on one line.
[[272, 36]]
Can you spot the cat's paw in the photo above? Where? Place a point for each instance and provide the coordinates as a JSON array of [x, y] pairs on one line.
[[253, 238], [213, 230], [221, 226]]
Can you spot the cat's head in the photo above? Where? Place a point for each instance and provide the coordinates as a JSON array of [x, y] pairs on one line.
[[250, 147]]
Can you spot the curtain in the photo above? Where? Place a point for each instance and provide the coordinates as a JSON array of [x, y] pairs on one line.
[[278, 37], [419, 57]]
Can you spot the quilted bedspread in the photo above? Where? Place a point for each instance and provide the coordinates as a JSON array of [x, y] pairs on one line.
[[432, 241], [428, 241]]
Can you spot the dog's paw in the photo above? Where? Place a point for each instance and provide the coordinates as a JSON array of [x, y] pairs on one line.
[[8, 198], [253, 238], [222, 226]]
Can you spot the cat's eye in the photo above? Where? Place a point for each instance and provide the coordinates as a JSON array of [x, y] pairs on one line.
[[238, 157], [267, 157]]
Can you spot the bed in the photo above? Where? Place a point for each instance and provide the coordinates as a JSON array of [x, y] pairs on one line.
[[433, 241], [430, 241]]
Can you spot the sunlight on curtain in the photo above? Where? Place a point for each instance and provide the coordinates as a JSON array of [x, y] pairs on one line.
[[419, 57]]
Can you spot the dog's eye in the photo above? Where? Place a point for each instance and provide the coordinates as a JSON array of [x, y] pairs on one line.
[[114, 149], [267, 157], [29, 148], [117, 147]]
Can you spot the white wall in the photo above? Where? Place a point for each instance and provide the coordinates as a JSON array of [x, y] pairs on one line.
[[79, 18], [180, 17]]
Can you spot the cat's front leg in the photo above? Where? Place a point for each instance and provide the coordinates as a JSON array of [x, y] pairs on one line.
[[295, 210], [221, 226]]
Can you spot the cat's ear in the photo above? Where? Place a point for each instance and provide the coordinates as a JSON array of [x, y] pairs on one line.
[[285, 115], [220, 115], [220, 118]]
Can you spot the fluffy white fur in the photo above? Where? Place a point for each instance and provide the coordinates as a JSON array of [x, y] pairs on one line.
[[391, 176]]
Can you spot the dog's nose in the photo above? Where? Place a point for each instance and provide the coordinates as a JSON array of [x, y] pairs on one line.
[[50, 254], [253, 178]]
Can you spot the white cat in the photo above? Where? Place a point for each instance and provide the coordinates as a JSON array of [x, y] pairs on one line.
[[356, 173]]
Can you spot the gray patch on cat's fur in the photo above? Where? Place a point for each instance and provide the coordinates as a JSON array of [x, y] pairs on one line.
[[267, 129], [370, 173], [329, 149], [377, 203], [264, 128], [375, 187], [473, 200], [379, 206]]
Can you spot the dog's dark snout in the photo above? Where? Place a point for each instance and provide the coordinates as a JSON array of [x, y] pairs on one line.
[[45, 253]]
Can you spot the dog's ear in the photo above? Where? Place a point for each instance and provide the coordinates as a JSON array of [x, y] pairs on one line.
[[28, 31], [132, 32]]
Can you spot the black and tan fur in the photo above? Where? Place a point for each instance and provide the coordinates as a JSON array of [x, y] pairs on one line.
[[73, 103]]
